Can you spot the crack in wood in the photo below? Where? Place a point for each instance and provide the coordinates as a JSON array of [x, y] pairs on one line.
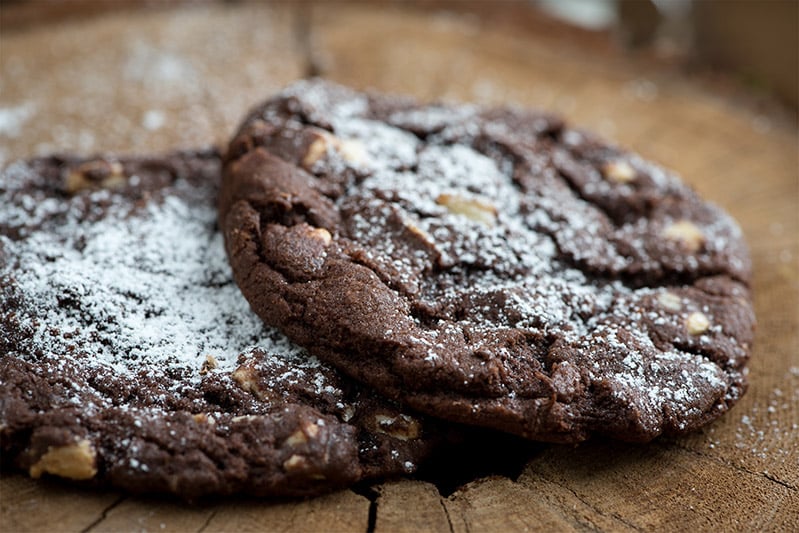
[[785, 484], [613, 516], [443, 503], [737, 468], [104, 514], [372, 521], [208, 521], [371, 493]]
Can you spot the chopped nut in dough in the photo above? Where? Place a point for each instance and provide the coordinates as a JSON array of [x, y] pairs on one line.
[[350, 149], [316, 150], [295, 463], [209, 364], [312, 430], [401, 427], [243, 418], [619, 171], [472, 208], [425, 237], [302, 435], [74, 461], [295, 439], [246, 379], [202, 418], [96, 174], [687, 233], [670, 301], [321, 234], [697, 323], [347, 413]]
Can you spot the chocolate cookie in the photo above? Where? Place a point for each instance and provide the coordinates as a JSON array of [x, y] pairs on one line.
[[488, 266], [128, 356]]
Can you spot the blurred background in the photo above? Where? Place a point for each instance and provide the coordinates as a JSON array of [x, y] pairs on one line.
[[754, 42], [135, 75]]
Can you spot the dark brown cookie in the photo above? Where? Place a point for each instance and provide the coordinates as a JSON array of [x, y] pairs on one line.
[[492, 267], [128, 356]]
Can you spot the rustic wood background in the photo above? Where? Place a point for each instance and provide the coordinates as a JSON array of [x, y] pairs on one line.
[[178, 76]]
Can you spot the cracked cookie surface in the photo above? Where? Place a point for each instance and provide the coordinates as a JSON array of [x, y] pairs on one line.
[[129, 358], [488, 266]]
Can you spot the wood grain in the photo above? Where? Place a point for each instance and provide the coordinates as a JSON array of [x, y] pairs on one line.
[[182, 77], [142, 81], [26, 505], [396, 498]]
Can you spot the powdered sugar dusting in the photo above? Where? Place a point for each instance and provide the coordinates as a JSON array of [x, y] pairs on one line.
[[436, 200], [144, 288]]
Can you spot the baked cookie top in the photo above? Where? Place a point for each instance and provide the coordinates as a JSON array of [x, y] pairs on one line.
[[488, 266], [128, 356]]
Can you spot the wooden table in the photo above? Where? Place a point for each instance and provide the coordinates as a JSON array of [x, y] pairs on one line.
[[157, 79]]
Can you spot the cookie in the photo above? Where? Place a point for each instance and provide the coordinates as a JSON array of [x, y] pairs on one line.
[[494, 267], [129, 358]]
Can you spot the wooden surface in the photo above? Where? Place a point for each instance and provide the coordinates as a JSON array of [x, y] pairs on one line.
[[183, 77]]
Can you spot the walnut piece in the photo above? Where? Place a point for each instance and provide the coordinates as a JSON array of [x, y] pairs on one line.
[[295, 463], [98, 174], [243, 418], [246, 379], [697, 323], [686, 233], [209, 364], [670, 301], [619, 171], [202, 418], [316, 150], [350, 150], [295, 439], [301, 436], [347, 413], [322, 235], [472, 208], [73, 461], [402, 427], [420, 234]]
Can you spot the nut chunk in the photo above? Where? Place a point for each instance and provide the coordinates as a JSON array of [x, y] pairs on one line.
[[401, 427], [350, 150], [98, 174], [74, 461], [619, 171], [697, 323], [687, 234], [472, 208]]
